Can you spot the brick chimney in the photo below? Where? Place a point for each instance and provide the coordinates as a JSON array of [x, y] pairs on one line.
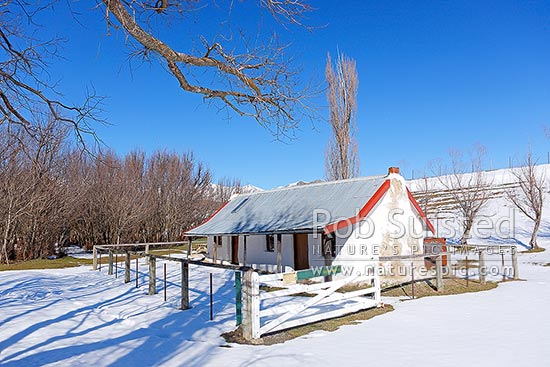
[[393, 170]]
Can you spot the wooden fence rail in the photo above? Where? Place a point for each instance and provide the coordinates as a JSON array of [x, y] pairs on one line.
[[288, 315]]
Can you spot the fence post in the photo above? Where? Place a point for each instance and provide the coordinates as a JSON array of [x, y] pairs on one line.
[[244, 250], [377, 294], [189, 246], [95, 259], [184, 285], [211, 300], [251, 314], [164, 281], [127, 268], [439, 273], [412, 280], [116, 265], [137, 273], [110, 272], [238, 299], [152, 275], [515, 262], [467, 273], [502, 268], [482, 268], [215, 248]]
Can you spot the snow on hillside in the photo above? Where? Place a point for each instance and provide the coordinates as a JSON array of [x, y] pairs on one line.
[[440, 206], [76, 316]]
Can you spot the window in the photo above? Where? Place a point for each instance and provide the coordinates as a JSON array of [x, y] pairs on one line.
[[218, 240], [329, 244], [269, 243]]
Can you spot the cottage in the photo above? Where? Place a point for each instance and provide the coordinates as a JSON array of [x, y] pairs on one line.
[[348, 222]]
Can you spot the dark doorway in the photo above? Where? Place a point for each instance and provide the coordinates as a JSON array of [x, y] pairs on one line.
[[235, 250], [301, 258]]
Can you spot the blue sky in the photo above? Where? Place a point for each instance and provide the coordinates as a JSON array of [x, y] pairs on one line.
[[433, 75]]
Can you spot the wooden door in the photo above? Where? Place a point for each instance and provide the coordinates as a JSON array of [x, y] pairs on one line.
[[301, 258], [235, 249]]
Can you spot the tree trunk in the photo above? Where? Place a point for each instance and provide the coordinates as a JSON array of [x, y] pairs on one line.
[[5, 242], [533, 242], [466, 235]]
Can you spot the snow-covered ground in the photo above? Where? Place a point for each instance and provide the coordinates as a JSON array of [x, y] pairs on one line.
[[76, 316], [80, 317]]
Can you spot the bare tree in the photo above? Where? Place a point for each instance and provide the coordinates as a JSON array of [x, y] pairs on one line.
[[467, 186], [27, 93], [248, 72], [528, 197], [341, 160], [252, 74], [51, 194]]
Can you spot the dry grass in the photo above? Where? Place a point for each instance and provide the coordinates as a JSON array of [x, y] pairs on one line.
[[63, 262], [427, 288], [534, 250], [326, 325]]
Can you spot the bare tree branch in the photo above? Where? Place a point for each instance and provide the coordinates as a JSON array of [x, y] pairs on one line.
[[258, 83]]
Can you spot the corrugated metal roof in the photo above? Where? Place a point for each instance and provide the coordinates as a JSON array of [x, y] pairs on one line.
[[290, 209]]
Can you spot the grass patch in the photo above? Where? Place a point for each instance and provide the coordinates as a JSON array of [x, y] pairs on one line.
[[63, 262], [326, 325], [70, 262], [427, 288], [534, 250]]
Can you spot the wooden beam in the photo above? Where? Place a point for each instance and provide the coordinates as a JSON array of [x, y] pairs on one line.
[[251, 314], [482, 268], [189, 246], [244, 250], [279, 254], [95, 258], [202, 263], [110, 272], [127, 267], [184, 285], [152, 275], [215, 248], [439, 273], [515, 262]]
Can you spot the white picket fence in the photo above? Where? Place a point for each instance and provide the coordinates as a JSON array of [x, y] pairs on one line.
[[269, 311]]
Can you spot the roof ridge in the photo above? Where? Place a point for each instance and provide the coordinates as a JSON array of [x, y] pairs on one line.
[[324, 183]]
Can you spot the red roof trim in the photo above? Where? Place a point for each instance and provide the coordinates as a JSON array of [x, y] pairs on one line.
[[210, 217], [420, 211], [333, 227]]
